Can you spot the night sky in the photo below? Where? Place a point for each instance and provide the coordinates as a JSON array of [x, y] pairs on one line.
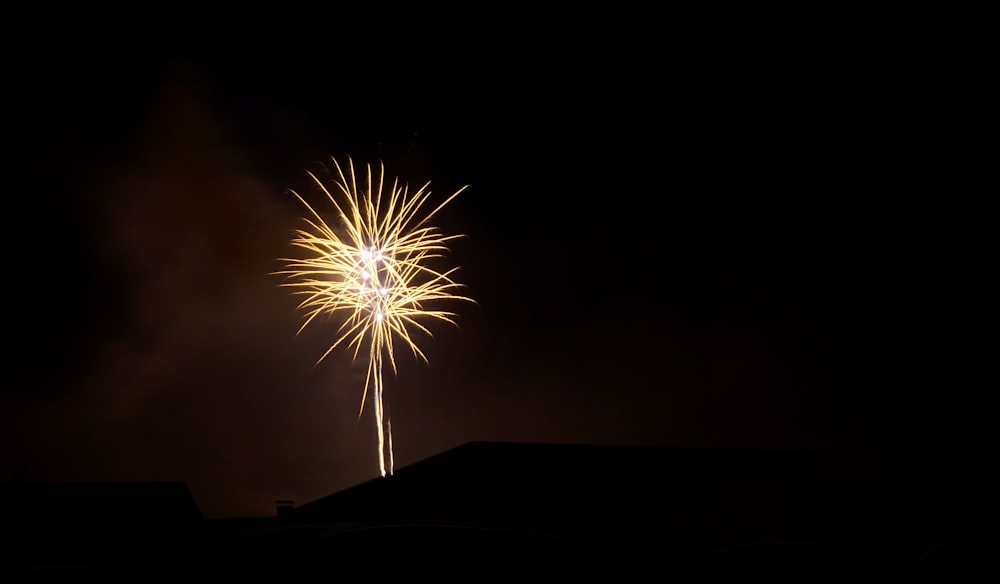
[[716, 239]]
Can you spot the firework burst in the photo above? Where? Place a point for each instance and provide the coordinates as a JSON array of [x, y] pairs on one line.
[[371, 265]]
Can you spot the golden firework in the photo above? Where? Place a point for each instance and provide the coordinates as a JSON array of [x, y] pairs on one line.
[[373, 266]]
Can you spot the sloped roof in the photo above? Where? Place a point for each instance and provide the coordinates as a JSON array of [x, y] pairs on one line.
[[566, 487]]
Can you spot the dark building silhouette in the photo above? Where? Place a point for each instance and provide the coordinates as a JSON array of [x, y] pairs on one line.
[[484, 510], [687, 494], [582, 510], [51, 525]]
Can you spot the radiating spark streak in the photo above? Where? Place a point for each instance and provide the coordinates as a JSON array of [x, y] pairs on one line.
[[372, 266]]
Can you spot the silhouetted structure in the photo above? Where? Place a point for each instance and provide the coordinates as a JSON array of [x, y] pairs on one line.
[[579, 489], [47, 525], [504, 509]]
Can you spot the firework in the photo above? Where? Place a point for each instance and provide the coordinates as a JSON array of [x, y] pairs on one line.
[[371, 264]]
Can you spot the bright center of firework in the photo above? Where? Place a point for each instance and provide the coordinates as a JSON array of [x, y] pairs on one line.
[[375, 269]]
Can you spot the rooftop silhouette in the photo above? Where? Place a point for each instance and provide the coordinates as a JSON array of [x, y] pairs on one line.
[[560, 509]]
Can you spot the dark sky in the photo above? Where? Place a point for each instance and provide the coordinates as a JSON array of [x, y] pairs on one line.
[[706, 239]]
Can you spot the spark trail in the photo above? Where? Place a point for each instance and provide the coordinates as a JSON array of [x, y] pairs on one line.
[[372, 265]]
